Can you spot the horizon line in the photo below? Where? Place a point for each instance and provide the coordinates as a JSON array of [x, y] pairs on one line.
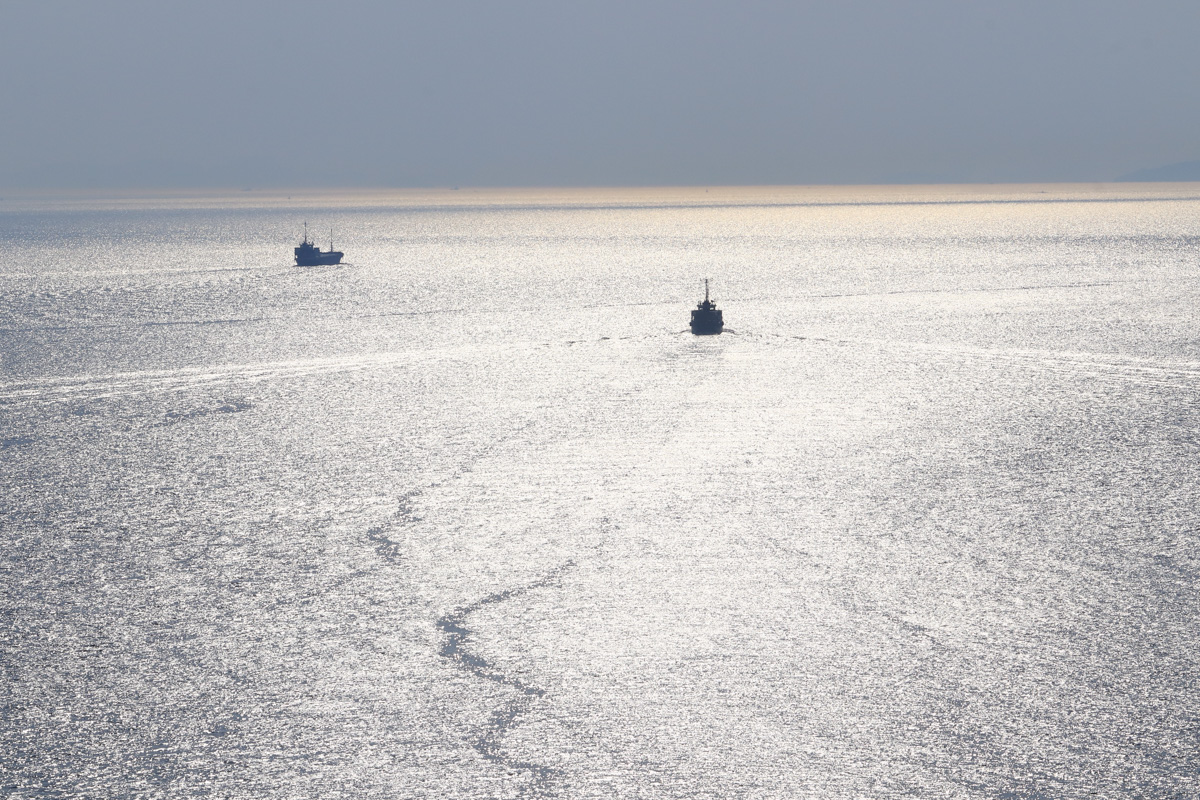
[[276, 189]]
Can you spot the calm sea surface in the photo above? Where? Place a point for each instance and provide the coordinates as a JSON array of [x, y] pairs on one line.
[[474, 516]]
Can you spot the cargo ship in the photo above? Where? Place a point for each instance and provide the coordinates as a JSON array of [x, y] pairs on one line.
[[309, 255], [706, 317]]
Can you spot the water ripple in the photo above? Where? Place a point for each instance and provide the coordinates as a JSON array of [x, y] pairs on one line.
[[456, 649]]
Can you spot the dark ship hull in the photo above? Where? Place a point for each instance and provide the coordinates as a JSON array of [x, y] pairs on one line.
[[309, 255], [706, 317], [317, 258], [707, 322]]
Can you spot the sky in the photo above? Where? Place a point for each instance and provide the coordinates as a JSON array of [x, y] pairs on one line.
[[380, 93]]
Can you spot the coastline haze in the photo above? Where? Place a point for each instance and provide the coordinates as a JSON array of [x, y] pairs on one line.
[[134, 94]]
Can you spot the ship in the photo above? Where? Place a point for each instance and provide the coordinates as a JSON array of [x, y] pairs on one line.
[[309, 255], [706, 317]]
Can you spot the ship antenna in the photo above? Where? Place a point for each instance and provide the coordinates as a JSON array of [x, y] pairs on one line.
[[306, 231]]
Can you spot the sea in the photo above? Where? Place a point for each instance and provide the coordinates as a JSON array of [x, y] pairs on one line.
[[474, 515]]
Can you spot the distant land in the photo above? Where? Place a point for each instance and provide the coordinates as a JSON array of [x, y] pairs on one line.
[[1183, 171]]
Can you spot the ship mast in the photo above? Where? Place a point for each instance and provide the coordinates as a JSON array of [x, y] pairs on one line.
[[706, 291]]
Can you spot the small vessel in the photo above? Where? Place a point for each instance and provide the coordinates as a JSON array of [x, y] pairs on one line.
[[309, 255], [706, 317]]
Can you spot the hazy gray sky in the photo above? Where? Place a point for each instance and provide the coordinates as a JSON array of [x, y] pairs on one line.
[[128, 93]]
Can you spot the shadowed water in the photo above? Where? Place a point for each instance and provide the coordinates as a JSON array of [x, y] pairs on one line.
[[472, 515]]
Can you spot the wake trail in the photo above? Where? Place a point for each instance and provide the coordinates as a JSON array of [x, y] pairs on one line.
[[85, 386], [1103, 367], [168, 380], [456, 649]]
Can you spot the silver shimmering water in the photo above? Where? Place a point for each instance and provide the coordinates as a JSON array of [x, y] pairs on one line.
[[473, 515]]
